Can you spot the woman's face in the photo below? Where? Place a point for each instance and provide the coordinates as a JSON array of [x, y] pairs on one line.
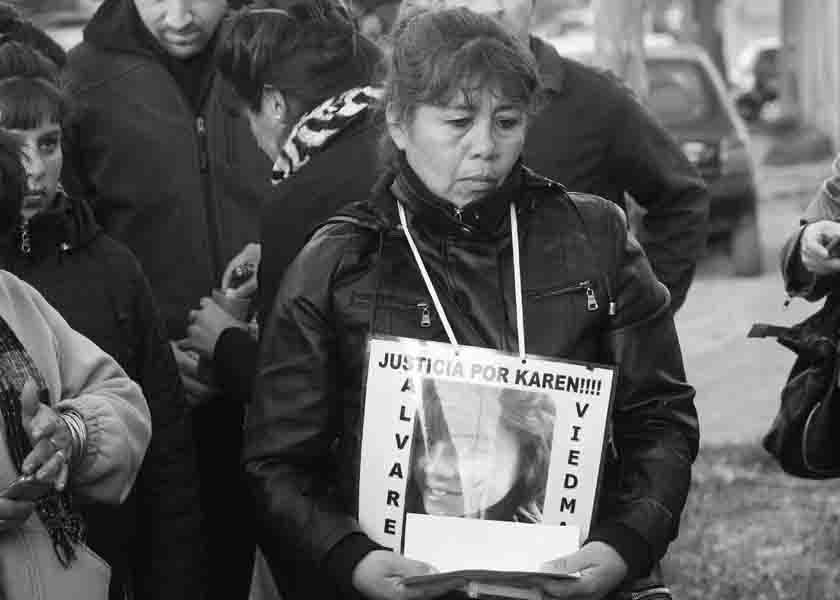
[[477, 465], [42, 159], [463, 151]]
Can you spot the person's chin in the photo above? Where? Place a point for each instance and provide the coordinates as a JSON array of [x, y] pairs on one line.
[[183, 51], [443, 504]]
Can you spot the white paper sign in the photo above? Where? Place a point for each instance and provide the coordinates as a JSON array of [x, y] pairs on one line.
[[457, 544], [478, 435]]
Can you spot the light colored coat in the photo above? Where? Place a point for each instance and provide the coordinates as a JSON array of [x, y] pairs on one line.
[[78, 374]]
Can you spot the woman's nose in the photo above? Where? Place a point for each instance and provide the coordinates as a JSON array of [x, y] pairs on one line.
[[442, 462], [483, 140], [178, 13], [34, 164]]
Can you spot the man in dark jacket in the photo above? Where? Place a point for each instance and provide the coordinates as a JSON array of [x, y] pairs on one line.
[[161, 145], [594, 136]]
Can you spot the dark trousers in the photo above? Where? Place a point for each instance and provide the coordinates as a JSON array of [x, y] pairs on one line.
[[229, 523]]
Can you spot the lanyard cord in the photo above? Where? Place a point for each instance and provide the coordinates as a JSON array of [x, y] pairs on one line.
[[517, 282], [520, 320]]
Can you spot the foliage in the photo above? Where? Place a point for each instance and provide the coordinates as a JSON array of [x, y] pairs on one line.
[[751, 531]]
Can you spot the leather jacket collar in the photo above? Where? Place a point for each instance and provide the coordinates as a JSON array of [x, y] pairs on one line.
[[482, 219]]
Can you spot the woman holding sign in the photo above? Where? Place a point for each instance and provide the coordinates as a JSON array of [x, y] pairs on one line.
[[461, 243]]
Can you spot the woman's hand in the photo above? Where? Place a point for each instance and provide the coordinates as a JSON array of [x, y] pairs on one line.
[[601, 570], [52, 442], [379, 575], [206, 325], [250, 254], [198, 392], [815, 246]]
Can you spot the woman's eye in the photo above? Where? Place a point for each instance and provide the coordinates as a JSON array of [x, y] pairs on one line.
[[49, 146], [460, 122], [509, 122]]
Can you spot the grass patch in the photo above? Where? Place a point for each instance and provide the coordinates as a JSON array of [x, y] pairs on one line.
[[751, 531]]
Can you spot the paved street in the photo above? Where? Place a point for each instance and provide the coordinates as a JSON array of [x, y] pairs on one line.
[[738, 379]]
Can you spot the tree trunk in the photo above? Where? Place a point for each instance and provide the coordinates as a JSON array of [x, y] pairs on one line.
[[619, 40]]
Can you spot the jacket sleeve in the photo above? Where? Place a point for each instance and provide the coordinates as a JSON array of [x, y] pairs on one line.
[[824, 207], [647, 163], [654, 421], [234, 358], [113, 407], [169, 553], [294, 420]]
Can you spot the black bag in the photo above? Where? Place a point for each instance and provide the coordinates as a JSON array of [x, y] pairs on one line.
[[800, 438]]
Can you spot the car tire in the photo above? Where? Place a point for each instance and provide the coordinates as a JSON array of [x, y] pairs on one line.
[[745, 248]]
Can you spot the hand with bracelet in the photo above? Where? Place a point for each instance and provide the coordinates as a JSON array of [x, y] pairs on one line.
[[58, 438], [58, 441]]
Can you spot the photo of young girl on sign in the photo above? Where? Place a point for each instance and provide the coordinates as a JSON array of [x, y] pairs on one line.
[[480, 452]]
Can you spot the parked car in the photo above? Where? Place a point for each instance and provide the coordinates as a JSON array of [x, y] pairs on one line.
[[689, 97], [756, 77]]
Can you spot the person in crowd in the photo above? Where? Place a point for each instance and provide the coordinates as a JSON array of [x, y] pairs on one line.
[[811, 254], [69, 416], [459, 96], [153, 541], [159, 142], [13, 27], [480, 452], [594, 136], [304, 77]]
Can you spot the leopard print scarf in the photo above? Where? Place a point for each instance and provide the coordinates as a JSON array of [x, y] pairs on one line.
[[317, 127]]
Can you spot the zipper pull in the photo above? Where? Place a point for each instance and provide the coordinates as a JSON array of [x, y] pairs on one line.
[[425, 314], [460, 214], [25, 239], [591, 301], [201, 129]]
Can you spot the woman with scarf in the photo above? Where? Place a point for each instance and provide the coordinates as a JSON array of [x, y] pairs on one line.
[[70, 416], [153, 541], [461, 243], [304, 77]]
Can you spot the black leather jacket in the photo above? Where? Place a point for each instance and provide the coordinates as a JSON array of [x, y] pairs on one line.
[[304, 428]]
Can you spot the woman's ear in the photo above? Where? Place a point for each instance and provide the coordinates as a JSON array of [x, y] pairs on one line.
[[274, 104]]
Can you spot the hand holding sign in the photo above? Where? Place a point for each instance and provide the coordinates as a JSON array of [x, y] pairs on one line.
[[379, 576], [601, 570]]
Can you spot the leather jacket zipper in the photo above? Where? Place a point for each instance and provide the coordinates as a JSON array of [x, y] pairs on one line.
[[425, 314], [423, 309], [25, 239], [583, 286], [201, 130]]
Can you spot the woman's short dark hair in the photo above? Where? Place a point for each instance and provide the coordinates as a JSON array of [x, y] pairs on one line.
[[437, 55], [30, 94], [307, 49], [12, 182]]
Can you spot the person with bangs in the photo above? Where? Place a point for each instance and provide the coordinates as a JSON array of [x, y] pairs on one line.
[[453, 244], [305, 79], [153, 541]]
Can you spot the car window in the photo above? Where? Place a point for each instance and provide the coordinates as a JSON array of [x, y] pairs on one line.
[[679, 92]]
